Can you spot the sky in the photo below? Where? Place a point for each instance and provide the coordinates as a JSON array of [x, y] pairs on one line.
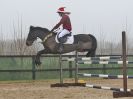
[[105, 19]]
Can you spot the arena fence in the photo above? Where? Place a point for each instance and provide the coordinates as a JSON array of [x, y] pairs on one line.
[[70, 69]]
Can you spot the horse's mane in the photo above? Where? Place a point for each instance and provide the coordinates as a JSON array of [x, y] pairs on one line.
[[40, 28]]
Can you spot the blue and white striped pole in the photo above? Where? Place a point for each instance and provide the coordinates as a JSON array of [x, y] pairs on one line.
[[104, 76], [107, 88], [92, 58], [103, 62]]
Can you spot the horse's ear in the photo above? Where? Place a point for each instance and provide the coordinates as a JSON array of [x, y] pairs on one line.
[[31, 27]]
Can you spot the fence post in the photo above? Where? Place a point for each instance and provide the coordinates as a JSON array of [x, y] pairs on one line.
[[124, 61], [33, 68], [70, 68], [76, 67], [61, 69], [125, 93], [104, 69]]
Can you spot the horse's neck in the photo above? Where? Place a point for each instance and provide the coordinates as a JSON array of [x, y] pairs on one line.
[[42, 34]]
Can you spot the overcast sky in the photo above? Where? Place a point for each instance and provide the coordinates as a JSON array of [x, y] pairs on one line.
[[106, 18]]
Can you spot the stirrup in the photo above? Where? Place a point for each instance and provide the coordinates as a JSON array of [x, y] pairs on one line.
[[62, 39], [60, 48]]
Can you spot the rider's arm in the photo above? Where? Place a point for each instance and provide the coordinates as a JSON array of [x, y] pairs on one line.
[[57, 25]]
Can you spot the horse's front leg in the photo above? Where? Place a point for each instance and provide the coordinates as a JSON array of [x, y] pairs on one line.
[[37, 59]]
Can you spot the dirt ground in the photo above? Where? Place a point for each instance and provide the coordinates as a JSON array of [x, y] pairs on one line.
[[41, 89]]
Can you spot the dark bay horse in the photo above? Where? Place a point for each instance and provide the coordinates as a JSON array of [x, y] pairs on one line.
[[82, 43]]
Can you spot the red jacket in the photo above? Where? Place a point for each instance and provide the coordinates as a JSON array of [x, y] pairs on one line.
[[65, 21]]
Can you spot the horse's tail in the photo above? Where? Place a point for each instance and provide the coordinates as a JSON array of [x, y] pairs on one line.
[[92, 51], [94, 42]]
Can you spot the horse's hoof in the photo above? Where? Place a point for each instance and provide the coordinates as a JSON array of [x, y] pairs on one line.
[[38, 63]]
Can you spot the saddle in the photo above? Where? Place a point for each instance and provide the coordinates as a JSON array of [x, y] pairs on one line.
[[66, 39]]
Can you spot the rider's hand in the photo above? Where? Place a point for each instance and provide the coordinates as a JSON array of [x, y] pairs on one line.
[[51, 31]]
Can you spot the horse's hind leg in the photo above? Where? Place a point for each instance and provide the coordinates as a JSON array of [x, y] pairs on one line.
[[88, 47], [91, 53]]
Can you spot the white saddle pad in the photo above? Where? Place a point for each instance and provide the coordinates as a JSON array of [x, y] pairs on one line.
[[70, 39]]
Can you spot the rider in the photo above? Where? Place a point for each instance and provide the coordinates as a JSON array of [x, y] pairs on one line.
[[65, 21]]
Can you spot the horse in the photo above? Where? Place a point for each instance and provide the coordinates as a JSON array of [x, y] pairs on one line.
[[82, 43]]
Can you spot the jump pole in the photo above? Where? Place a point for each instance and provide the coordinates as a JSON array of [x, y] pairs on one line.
[[125, 93], [104, 76]]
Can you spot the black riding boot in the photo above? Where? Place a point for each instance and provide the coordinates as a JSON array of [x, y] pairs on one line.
[[61, 44]]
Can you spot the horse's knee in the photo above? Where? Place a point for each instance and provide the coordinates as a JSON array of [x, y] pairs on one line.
[[91, 54], [88, 54]]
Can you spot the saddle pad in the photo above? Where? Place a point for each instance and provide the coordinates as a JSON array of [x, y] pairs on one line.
[[70, 40]]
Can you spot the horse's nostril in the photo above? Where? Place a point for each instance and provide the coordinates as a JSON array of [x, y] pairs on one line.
[[27, 43]]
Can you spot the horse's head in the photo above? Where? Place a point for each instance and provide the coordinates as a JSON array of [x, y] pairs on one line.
[[36, 32], [32, 36]]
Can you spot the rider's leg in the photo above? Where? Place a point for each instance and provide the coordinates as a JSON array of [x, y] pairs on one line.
[[63, 33], [61, 40], [61, 44]]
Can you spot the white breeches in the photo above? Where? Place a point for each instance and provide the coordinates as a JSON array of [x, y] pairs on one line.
[[62, 33]]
